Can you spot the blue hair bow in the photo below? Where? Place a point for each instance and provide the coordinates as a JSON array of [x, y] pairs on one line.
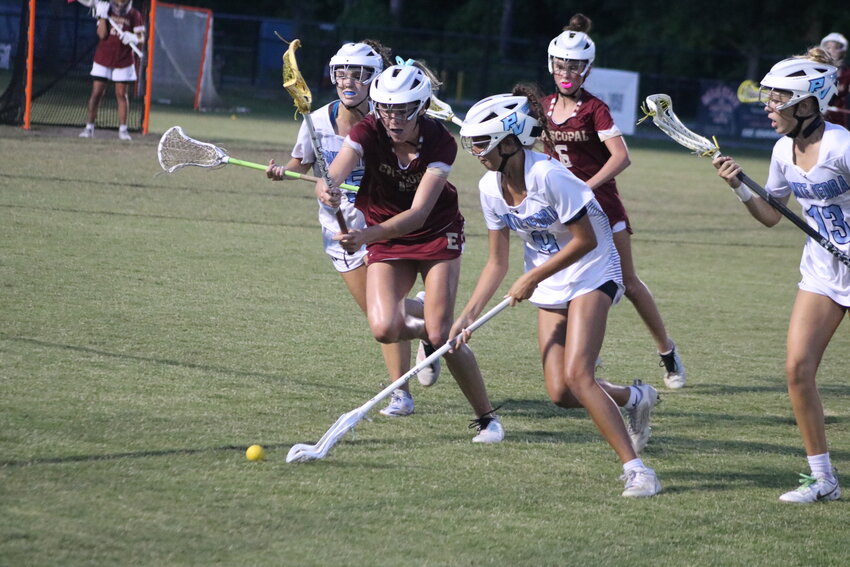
[[402, 62]]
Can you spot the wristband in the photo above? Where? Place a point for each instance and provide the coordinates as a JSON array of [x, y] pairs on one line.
[[743, 192]]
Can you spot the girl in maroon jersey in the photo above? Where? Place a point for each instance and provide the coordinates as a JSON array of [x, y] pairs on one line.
[[114, 60], [414, 226], [586, 140]]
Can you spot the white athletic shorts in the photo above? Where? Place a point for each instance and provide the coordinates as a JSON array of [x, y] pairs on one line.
[[122, 75], [342, 260]]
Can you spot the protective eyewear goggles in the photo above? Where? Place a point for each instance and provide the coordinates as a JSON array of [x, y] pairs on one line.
[[775, 99], [401, 111], [357, 74], [567, 67], [480, 145]]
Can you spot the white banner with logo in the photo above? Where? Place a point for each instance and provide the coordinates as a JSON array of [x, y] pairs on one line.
[[619, 90]]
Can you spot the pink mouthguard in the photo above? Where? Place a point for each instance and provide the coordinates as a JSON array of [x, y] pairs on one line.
[[566, 85]]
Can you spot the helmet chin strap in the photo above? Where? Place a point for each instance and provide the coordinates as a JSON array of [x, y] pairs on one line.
[[798, 129], [505, 157]]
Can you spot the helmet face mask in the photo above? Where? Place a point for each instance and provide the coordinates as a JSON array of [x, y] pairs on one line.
[[356, 73], [356, 61], [400, 90], [574, 46], [802, 78], [567, 67], [120, 7], [493, 119], [405, 110]]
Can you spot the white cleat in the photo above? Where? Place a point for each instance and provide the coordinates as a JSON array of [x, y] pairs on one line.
[[641, 483], [427, 376], [401, 405], [674, 370], [490, 429], [124, 135], [815, 488], [638, 417], [87, 133]]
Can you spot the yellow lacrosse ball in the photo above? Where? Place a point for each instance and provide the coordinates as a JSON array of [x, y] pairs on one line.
[[255, 453]]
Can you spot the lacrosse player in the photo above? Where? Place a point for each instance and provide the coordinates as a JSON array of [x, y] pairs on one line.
[[114, 60], [352, 70], [572, 271], [812, 161], [586, 140], [414, 226], [835, 45]]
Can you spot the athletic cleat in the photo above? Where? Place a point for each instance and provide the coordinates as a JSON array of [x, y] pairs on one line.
[[814, 488], [489, 427], [427, 376], [641, 483], [401, 404], [87, 133], [674, 370], [638, 417], [123, 135]]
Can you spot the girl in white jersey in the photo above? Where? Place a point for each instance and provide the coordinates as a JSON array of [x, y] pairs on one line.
[[812, 161], [352, 69], [572, 270]]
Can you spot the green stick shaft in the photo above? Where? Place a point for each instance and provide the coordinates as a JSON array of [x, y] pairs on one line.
[[292, 174]]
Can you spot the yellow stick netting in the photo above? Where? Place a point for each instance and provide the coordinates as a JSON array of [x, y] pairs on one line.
[[294, 82]]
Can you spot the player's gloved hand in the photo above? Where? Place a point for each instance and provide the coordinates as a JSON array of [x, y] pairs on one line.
[[101, 9], [128, 38]]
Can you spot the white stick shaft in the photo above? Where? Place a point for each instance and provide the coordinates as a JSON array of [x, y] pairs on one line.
[[302, 453], [134, 47], [430, 359]]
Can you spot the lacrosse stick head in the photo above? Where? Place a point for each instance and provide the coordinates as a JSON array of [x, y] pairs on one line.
[[748, 91], [176, 150], [440, 110], [293, 80], [303, 453], [660, 108]]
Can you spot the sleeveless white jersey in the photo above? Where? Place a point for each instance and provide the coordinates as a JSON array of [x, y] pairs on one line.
[[824, 195], [555, 196], [331, 145]]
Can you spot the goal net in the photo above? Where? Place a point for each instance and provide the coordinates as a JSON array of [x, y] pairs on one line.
[[182, 57], [61, 42], [61, 39]]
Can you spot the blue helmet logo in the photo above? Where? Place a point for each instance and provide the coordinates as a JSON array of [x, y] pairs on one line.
[[511, 123]]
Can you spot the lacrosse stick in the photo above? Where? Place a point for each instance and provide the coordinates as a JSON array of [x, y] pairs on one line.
[[296, 86], [177, 150], [660, 108], [442, 111], [302, 452], [91, 4], [748, 91]]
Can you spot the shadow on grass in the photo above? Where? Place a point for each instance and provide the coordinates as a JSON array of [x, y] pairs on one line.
[[190, 365], [131, 455], [163, 217], [194, 188]]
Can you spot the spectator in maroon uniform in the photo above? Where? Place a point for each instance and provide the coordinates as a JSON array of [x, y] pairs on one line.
[[114, 60], [835, 46], [413, 225], [586, 140]]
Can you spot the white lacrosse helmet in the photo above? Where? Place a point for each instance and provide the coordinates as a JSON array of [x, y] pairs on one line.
[[497, 117], [119, 8], [803, 78], [402, 84], [357, 55], [837, 38], [573, 45]]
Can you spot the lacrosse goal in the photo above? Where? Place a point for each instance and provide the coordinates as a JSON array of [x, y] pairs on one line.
[[50, 82]]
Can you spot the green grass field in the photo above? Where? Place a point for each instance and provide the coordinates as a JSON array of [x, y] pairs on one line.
[[154, 326]]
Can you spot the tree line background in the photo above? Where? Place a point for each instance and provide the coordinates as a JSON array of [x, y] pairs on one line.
[[725, 39]]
